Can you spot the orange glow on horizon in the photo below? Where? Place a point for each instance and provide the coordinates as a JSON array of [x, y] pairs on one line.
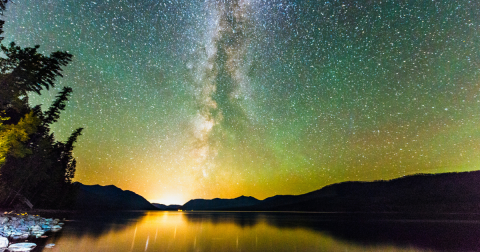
[[173, 199]]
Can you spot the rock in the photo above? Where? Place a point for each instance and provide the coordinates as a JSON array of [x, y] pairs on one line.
[[56, 228], [22, 246], [3, 242], [36, 228], [21, 226]]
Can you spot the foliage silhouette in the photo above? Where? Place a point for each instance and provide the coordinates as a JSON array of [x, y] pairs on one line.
[[33, 165]]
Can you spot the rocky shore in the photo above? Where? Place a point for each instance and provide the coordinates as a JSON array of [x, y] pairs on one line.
[[16, 228]]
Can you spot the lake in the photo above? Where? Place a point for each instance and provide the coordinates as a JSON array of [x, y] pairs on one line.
[[263, 231]]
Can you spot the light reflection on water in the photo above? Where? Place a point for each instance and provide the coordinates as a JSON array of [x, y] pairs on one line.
[[230, 231]]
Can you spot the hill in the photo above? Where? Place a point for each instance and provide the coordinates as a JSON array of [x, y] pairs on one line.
[[96, 197], [166, 207], [219, 204], [446, 193]]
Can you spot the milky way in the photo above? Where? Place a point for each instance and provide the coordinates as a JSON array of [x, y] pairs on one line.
[[189, 99]]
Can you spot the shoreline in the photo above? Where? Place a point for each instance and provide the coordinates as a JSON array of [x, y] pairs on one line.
[[20, 229]]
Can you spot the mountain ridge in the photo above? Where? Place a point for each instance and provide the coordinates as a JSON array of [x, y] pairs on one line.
[[166, 207], [443, 192], [110, 197], [217, 203]]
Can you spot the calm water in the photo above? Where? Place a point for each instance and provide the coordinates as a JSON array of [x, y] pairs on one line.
[[233, 231]]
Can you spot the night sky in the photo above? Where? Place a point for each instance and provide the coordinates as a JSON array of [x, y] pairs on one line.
[[204, 99]]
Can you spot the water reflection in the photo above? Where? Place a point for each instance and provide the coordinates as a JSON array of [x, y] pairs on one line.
[[98, 223], [231, 231]]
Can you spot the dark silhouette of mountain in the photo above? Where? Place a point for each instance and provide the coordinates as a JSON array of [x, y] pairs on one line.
[[446, 192], [96, 197], [219, 204], [165, 207], [160, 206]]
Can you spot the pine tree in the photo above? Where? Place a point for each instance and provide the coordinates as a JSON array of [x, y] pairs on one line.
[[33, 164]]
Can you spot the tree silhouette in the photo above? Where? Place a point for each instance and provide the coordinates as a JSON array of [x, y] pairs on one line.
[[59, 104], [33, 165], [25, 70], [2, 8]]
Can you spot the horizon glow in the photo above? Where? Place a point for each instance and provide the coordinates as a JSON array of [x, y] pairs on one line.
[[218, 99]]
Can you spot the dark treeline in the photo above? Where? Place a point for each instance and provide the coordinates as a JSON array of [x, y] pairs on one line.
[[34, 167]]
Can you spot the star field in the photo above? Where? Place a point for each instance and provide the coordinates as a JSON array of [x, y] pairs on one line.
[[204, 99]]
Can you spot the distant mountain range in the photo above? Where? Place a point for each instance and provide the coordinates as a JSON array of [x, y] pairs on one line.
[[439, 193], [96, 197], [166, 207], [446, 192], [219, 204]]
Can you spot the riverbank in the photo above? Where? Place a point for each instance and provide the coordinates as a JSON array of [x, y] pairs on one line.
[[17, 229]]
